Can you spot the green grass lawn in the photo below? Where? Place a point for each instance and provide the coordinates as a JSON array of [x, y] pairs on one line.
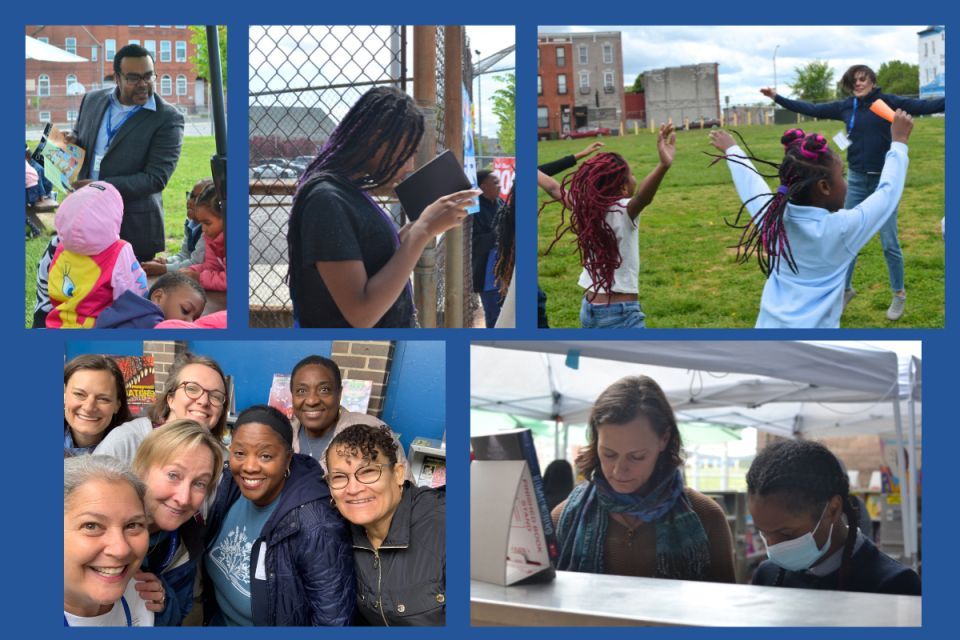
[[194, 165], [688, 273]]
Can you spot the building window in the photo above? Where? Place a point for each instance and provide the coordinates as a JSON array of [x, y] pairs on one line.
[[179, 26], [71, 79], [561, 57], [43, 86], [607, 53], [582, 49], [72, 115], [543, 117], [181, 51], [584, 82], [925, 52], [94, 51], [181, 85], [109, 48], [166, 87], [539, 85], [562, 84], [135, 41], [608, 82], [151, 46], [44, 40], [43, 116], [165, 51], [70, 44]]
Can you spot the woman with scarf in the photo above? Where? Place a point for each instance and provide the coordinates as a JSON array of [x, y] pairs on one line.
[[634, 516]]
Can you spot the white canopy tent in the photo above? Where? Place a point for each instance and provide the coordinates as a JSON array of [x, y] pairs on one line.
[[531, 379], [40, 50]]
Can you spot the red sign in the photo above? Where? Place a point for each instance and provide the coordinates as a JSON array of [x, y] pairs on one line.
[[505, 170]]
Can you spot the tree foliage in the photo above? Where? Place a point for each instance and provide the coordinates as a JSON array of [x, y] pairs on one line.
[[901, 78], [814, 82], [505, 108], [637, 84], [201, 61]]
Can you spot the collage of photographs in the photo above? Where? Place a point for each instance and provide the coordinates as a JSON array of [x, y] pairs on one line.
[[289, 467]]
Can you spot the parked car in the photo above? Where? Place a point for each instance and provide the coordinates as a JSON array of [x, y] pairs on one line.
[[588, 132], [272, 172], [708, 123]]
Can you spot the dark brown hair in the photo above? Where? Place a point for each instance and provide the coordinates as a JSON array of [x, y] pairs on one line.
[[621, 402], [850, 76], [94, 362]]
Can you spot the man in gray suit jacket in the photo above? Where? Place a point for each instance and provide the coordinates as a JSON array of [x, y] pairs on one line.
[[132, 140]]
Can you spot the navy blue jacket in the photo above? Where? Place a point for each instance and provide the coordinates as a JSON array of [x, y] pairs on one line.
[[130, 311], [870, 136], [871, 571], [309, 562], [178, 581]]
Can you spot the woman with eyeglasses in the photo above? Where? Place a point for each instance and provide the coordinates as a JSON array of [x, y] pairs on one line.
[[277, 553], [316, 387], [196, 390], [398, 530]]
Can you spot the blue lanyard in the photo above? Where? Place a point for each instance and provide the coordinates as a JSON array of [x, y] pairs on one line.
[[111, 130], [126, 612], [174, 541], [853, 117]]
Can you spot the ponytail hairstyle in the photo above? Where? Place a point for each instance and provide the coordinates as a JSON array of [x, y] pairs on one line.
[[592, 190], [505, 229], [807, 159], [804, 476], [384, 120], [210, 199]]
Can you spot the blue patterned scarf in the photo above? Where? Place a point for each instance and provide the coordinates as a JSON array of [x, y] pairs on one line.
[[683, 551]]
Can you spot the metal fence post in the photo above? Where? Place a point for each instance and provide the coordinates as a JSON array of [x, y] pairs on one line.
[[453, 135], [425, 94]]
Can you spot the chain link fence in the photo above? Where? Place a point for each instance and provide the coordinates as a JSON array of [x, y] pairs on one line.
[[303, 80]]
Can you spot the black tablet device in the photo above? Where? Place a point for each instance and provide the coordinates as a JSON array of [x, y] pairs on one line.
[[440, 177]]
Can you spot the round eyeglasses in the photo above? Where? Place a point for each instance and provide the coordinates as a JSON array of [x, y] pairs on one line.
[[194, 391], [365, 475]]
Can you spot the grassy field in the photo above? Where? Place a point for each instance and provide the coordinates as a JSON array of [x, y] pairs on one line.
[[194, 164], [688, 273]]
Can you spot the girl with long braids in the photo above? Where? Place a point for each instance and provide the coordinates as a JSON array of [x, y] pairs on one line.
[[799, 497], [349, 267], [802, 237], [504, 258], [605, 202], [634, 516]]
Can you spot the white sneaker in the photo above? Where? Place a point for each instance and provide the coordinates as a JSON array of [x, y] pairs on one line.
[[896, 307]]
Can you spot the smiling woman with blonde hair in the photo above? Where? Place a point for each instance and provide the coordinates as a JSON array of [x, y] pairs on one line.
[[633, 515]]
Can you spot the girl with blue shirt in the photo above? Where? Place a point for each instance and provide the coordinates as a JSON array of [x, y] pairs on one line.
[[802, 237]]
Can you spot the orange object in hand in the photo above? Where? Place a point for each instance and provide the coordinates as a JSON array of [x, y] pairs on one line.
[[882, 109]]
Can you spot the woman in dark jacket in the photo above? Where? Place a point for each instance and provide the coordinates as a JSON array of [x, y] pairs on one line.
[[399, 530], [277, 554]]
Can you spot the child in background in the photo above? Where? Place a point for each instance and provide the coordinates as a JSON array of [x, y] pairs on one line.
[[212, 273], [805, 224], [605, 202], [799, 497], [91, 266], [193, 247], [174, 296]]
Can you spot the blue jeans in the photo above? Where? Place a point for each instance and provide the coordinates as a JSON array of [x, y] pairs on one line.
[[491, 302], [619, 315], [859, 186]]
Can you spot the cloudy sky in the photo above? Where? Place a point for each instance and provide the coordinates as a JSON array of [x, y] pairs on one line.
[[745, 54], [488, 41]]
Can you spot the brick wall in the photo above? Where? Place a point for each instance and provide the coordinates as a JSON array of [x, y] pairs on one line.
[[164, 352], [366, 361]]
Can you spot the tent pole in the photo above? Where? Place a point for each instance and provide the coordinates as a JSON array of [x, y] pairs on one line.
[[915, 500], [904, 481], [556, 439]]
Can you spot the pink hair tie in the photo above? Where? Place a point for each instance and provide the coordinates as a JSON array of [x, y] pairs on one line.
[[815, 154]]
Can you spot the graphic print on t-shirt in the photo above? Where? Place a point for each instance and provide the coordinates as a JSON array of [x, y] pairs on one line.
[[232, 556]]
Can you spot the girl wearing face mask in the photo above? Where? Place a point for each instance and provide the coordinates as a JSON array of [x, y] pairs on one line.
[[799, 497], [634, 516]]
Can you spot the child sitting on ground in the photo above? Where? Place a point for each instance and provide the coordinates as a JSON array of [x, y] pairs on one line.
[[174, 296], [212, 273], [805, 224], [604, 202], [193, 247], [91, 266]]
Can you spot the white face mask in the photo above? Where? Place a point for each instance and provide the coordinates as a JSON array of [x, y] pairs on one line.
[[800, 553]]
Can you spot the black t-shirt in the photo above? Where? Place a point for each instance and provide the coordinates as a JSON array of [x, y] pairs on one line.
[[336, 222]]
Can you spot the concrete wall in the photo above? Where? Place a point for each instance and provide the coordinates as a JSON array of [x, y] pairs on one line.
[[683, 93]]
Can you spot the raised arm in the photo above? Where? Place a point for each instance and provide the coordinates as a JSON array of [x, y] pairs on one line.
[[748, 182], [826, 110], [666, 150], [916, 106]]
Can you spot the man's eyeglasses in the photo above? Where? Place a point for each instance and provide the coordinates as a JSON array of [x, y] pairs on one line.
[[194, 391], [364, 475], [136, 78]]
